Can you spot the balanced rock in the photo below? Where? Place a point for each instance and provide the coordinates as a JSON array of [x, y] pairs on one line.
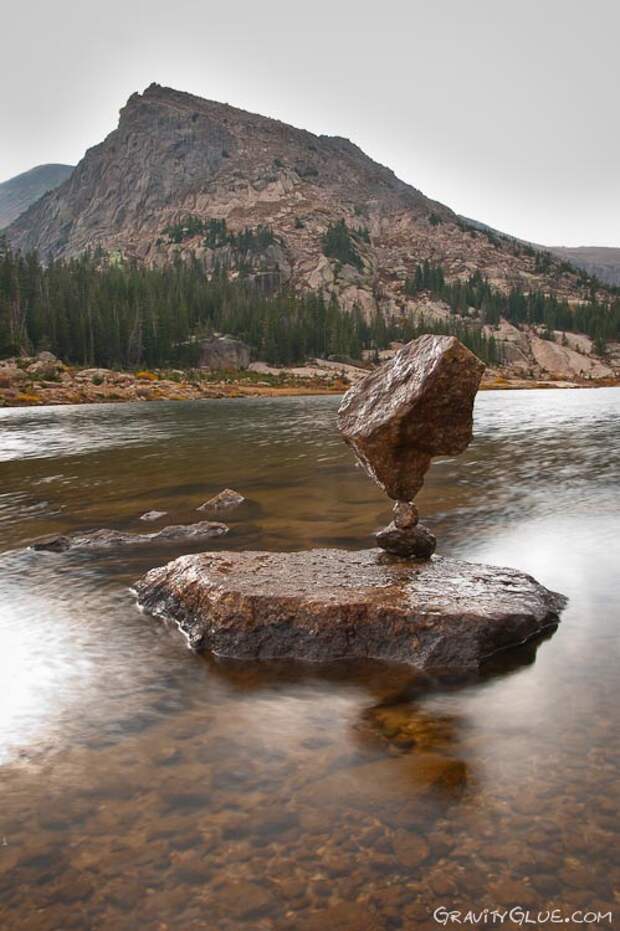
[[413, 407], [415, 541], [328, 604], [405, 515]]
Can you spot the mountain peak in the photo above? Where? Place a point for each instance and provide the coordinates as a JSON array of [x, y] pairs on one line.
[[177, 163]]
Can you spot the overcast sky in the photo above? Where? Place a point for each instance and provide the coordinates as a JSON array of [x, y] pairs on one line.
[[505, 111]]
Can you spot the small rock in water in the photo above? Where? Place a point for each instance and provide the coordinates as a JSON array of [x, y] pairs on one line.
[[204, 528], [226, 500], [52, 543], [105, 539], [415, 541], [153, 515]]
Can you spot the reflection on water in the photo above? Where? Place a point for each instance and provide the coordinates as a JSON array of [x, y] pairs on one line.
[[145, 787]]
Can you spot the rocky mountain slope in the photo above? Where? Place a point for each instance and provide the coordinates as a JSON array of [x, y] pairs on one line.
[[603, 262], [18, 193], [183, 175]]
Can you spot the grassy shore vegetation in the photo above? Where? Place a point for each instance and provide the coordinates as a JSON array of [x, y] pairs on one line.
[[89, 311]]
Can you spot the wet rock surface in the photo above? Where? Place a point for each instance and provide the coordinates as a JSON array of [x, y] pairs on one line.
[[226, 500], [329, 604], [417, 405], [104, 539], [416, 541]]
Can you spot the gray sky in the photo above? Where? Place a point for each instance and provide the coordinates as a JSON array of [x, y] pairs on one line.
[[505, 111]]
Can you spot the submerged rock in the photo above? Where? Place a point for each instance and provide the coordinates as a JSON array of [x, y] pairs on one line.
[[226, 500], [104, 539], [417, 405], [153, 515], [328, 604]]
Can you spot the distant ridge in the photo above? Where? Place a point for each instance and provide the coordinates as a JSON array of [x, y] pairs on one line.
[[18, 193], [601, 261]]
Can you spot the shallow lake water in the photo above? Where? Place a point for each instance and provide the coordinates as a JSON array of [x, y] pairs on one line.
[[144, 786]]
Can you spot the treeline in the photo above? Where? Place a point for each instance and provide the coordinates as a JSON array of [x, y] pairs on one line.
[[216, 234], [601, 321], [339, 242], [91, 310]]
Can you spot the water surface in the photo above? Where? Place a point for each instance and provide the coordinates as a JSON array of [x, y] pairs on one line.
[[146, 787]]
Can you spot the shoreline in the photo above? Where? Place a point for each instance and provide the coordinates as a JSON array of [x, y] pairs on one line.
[[45, 381], [223, 391]]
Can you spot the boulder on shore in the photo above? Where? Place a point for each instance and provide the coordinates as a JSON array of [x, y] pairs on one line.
[[413, 407], [224, 353], [328, 604]]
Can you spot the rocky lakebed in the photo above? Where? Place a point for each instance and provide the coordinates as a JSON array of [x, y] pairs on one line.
[[145, 784]]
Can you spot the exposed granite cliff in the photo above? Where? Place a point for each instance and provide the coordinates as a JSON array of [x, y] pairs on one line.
[[175, 155], [178, 165]]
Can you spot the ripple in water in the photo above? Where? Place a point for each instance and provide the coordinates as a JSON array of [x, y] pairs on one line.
[[146, 787]]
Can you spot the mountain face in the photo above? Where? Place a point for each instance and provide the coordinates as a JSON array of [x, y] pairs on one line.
[[18, 193], [602, 261], [178, 165], [183, 177]]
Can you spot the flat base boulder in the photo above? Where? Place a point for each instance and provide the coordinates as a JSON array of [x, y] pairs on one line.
[[328, 604]]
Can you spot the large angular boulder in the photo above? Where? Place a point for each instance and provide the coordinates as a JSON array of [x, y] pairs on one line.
[[413, 407], [327, 604], [224, 353]]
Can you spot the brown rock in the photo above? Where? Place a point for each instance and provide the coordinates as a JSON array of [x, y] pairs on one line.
[[405, 515], [413, 407], [243, 899], [346, 916], [415, 541], [410, 849], [324, 604]]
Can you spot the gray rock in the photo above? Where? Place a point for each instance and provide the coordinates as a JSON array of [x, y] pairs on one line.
[[153, 515], [226, 500], [329, 604], [224, 353], [415, 541], [413, 407], [106, 539]]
